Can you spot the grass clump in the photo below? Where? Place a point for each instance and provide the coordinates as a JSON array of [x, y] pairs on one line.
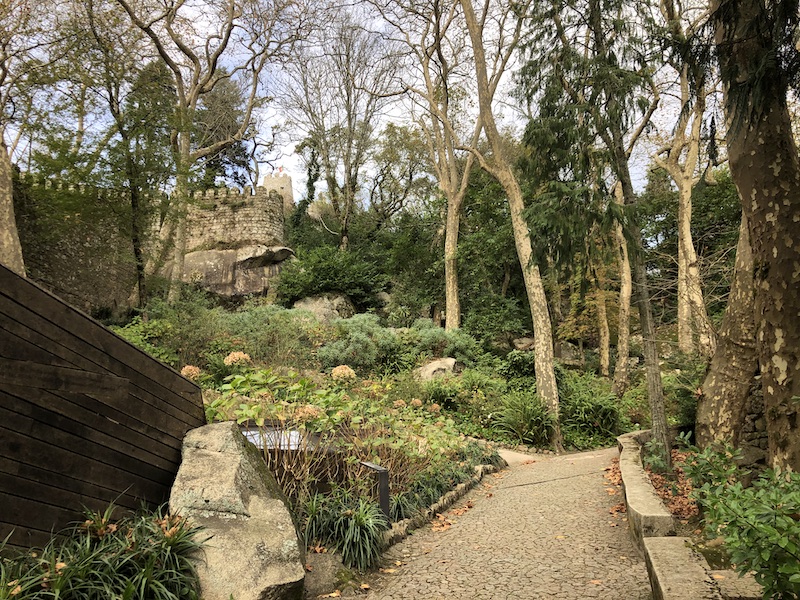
[[142, 557]]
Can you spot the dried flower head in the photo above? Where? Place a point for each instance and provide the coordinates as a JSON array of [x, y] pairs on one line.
[[306, 412], [191, 372], [235, 358], [343, 373], [399, 403], [434, 408], [416, 402]]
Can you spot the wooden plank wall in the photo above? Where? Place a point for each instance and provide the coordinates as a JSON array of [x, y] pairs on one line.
[[85, 417]]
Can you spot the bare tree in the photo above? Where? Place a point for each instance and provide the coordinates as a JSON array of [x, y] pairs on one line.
[[681, 157], [335, 92], [498, 27], [439, 80], [227, 39], [27, 30]]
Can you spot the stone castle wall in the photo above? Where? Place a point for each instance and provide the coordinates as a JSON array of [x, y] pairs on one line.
[[229, 219]]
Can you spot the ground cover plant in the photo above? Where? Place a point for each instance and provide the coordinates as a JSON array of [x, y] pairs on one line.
[[145, 556]]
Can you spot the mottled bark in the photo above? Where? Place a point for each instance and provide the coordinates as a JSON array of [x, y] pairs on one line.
[[722, 405], [766, 170], [624, 317], [604, 333], [181, 205], [451, 302], [500, 168], [10, 248]]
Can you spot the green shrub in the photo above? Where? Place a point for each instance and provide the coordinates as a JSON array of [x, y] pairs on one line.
[[363, 345], [524, 417], [358, 533], [681, 379], [143, 557], [589, 412], [519, 369], [444, 391], [759, 524], [328, 269], [149, 336]]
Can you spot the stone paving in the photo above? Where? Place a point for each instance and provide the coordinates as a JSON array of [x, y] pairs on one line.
[[541, 529]]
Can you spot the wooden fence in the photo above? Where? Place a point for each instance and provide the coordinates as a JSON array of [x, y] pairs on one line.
[[85, 417]]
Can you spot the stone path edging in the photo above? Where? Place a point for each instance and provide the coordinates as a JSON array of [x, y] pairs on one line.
[[400, 529]]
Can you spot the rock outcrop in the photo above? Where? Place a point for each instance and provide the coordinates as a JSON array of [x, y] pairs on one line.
[[236, 272], [223, 485]]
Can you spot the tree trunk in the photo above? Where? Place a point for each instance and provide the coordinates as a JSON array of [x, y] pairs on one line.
[[765, 167], [723, 400], [602, 328], [502, 171], [685, 330], [452, 305], [555, 302], [624, 319], [692, 314], [655, 392], [544, 360], [10, 248], [181, 200]]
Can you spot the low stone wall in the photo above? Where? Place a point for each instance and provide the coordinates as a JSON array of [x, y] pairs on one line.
[[676, 571], [647, 515]]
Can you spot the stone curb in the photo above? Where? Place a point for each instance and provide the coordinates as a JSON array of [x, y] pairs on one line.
[[647, 515], [676, 571], [400, 530]]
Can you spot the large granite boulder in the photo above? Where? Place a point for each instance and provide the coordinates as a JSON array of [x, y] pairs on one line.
[[436, 368], [234, 271], [223, 485], [327, 307]]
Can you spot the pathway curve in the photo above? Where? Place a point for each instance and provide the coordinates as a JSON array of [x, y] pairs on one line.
[[541, 529]]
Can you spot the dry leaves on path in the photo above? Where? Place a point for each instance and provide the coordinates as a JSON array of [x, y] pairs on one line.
[[441, 523], [457, 512]]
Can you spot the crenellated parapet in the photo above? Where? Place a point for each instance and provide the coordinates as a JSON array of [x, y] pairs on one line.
[[226, 218]]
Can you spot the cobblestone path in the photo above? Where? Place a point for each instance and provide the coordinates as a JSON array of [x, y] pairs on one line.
[[542, 529]]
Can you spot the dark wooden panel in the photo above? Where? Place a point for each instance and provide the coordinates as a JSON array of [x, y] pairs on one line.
[[137, 415], [50, 377], [61, 481], [17, 511], [40, 332], [84, 328], [75, 413], [85, 417], [49, 513], [34, 443]]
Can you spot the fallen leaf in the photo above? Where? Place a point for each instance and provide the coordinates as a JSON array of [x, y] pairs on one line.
[[309, 568], [596, 581], [561, 537], [390, 571], [718, 576], [335, 594], [529, 462], [400, 563], [612, 491], [364, 586]]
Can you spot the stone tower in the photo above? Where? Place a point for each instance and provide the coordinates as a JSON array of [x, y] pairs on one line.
[[235, 240]]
